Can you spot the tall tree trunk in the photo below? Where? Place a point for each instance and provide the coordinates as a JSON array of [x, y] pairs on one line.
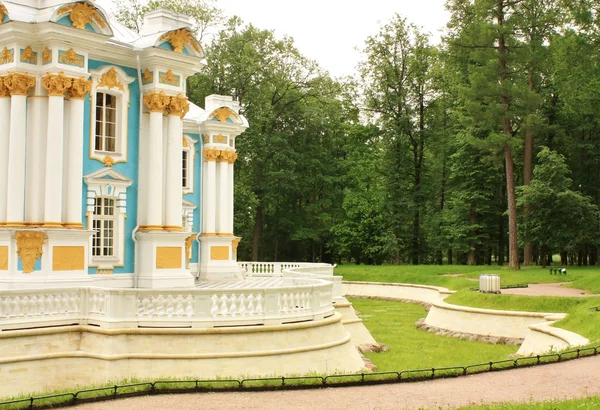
[[513, 262], [276, 246], [258, 229], [472, 257], [449, 256], [528, 170]]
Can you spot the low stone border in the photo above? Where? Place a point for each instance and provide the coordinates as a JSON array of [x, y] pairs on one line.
[[513, 341], [426, 305]]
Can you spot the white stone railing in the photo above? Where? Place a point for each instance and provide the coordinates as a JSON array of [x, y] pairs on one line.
[[318, 272], [297, 299], [262, 269]]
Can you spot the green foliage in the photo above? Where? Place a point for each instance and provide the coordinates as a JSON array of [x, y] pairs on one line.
[[587, 403]]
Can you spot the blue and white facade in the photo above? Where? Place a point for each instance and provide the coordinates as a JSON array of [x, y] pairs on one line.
[[109, 176]]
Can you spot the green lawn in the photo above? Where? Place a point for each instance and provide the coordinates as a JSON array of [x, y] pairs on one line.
[[591, 403], [393, 324]]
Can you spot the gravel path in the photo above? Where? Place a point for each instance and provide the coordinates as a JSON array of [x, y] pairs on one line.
[[548, 289], [573, 379]]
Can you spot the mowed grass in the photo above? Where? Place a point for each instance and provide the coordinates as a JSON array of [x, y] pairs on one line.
[[585, 403], [393, 324]]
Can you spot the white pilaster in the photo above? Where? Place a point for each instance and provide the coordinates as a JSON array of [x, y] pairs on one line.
[[15, 208], [173, 188], [222, 200], [54, 162], [74, 160], [37, 128], [4, 138], [210, 192], [230, 197]]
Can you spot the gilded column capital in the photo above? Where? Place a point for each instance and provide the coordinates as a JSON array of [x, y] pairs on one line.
[[56, 84], [178, 105], [19, 83], [233, 157], [224, 155], [156, 101], [211, 154], [3, 90], [80, 88]]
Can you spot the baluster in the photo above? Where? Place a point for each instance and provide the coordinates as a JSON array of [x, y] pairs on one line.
[[251, 309], [232, 305], [15, 306], [259, 304], [179, 306], [169, 306], [64, 303], [242, 305], [24, 306], [224, 309], [189, 306], [33, 305], [214, 308], [41, 303], [160, 311], [285, 306], [49, 305]]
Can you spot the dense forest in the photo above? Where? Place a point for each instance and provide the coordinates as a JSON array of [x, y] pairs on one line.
[[482, 149]]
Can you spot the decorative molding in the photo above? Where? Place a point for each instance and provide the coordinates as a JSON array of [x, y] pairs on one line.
[[211, 154], [28, 56], [80, 88], [3, 13], [179, 39], [3, 257], [220, 139], [71, 58], [7, 56], [108, 161], [234, 246], [184, 142], [188, 250], [82, 14], [65, 258], [206, 138], [168, 78], [46, 56], [29, 248], [109, 80], [223, 114], [156, 101], [18, 83], [168, 257], [219, 253], [148, 77], [4, 92], [178, 105], [56, 84], [109, 270], [233, 157]]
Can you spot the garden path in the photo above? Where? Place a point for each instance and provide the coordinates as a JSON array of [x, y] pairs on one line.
[[548, 289], [572, 379]]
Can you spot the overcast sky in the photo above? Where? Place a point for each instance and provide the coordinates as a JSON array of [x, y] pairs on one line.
[[329, 31]]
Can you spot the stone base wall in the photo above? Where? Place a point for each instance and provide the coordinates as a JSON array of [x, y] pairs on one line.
[[41, 360]]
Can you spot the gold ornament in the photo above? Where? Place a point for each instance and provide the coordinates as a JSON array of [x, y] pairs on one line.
[[220, 139], [29, 248], [7, 56], [184, 143], [18, 83], [28, 56], [148, 77], [233, 157], [206, 139], [188, 250], [3, 89], [3, 13], [47, 56], [56, 84], [156, 101], [234, 246], [80, 88], [211, 154], [169, 78], [81, 14], [178, 105], [109, 80], [223, 113], [179, 38], [71, 58], [108, 161]]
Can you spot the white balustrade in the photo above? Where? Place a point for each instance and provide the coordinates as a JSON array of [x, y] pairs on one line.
[[259, 269], [293, 300]]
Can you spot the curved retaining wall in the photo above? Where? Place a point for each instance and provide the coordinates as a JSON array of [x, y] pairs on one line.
[[66, 357], [534, 327]]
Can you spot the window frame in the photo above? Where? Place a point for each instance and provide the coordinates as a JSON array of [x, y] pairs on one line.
[[189, 146], [105, 220]]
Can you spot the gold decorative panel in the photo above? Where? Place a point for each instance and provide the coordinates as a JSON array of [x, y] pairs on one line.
[[219, 253], [168, 257], [68, 258], [3, 257], [29, 248]]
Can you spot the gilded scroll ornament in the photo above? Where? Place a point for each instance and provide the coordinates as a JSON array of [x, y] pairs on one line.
[[206, 139], [7, 56], [29, 248], [178, 105], [80, 88], [109, 80], [169, 78], [148, 77], [234, 246], [179, 38], [211, 154], [188, 250], [47, 56], [3, 13], [3, 89], [224, 155], [156, 101], [56, 84], [70, 58], [223, 113], [108, 161], [28, 56], [233, 157], [220, 139], [184, 142], [18, 83], [82, 14]]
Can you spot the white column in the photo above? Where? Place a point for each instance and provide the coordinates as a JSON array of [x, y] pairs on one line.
[[173, 189], [18, 85], [156, 102], [222, 193], [230, 194], [4, 138], [37, 128], [74, 160], [210, 192]]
